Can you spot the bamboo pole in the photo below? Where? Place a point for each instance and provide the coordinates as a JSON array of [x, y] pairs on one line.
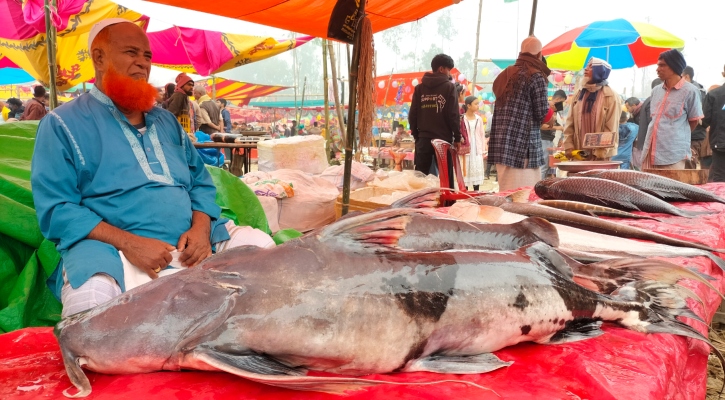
[[326, 88], [50, 44], [295, 77], [533, 17], [213, 87], [302, 105], [338, 106], [350, 142]]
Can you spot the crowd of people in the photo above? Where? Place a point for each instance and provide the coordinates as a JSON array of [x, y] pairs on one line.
[[680, 126]]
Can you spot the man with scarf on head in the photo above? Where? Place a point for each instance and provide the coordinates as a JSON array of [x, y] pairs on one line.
[[118, 185], [522, 106], [179, 104], [676, 111], [595, 109]]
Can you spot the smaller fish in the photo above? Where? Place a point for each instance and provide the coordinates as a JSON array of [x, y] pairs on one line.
[[606, 193], [658, 186], [591, 209]]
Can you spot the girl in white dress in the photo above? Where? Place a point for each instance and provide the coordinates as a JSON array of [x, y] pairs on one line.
[[473, 124]]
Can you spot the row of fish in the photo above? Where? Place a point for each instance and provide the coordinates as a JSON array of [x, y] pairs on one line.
[[625, 190], [396, 290]]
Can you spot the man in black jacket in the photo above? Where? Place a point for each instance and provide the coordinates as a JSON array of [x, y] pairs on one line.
[[434, 113], [715, 120]]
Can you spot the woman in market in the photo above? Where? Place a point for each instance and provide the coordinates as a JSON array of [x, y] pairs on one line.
[[595, 109], [472, 125]]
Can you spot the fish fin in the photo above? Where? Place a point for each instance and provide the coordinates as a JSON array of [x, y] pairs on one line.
[[542, 229], [520, 196], [489, 213], [576, 330], [716, 259], [255, 363], [666, 300], [425, 198], [550, 258], [609, 275], [377, 231], [592, 213], [334, 385], [477, 364]]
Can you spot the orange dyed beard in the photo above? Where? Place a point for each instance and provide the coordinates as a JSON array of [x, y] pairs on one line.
[[129, 95]]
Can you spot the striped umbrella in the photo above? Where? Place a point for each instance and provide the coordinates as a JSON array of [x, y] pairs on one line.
[[621, 43]]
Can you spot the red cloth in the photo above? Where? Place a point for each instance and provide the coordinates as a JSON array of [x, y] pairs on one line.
[[621, 364]]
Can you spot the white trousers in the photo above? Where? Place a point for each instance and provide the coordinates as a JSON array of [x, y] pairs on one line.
[[101, 288]]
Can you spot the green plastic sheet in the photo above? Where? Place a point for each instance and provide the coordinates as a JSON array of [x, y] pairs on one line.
[[27, 259]]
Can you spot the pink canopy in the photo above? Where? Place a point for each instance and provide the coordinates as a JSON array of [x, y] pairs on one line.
[[205, 52]]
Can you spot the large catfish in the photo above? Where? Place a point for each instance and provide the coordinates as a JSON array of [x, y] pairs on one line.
[[336, 301]]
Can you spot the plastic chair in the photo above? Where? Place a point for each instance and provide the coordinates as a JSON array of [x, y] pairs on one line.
[[448, 197]]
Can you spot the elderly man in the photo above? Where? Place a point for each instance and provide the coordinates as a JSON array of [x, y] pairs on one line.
[[521, 108], [676, 111], [210, 113], [117, 183], [35, 107]]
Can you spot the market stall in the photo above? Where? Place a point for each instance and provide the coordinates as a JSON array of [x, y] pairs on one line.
[[621, 364]]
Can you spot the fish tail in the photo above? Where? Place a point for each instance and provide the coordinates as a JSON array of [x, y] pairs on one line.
[[692, 214], [610, 275], [425, 198]]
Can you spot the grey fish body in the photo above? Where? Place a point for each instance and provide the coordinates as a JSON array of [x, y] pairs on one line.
[[605, 193], [591, 209], [658, 186], [270, 315], [593, 224]]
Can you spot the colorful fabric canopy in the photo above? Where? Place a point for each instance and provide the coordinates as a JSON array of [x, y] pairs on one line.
[[622, 43], [240, 93], [22, 38], [205, 53], [312, 17], [11, 74]]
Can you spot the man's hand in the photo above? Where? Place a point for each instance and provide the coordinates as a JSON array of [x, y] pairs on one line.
[[457, 146], [148, 255], [194, 244]]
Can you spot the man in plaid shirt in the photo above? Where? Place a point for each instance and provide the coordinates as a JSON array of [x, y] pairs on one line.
[[520, 109]]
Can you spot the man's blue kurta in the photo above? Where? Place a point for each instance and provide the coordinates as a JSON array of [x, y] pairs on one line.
[[91, 165]]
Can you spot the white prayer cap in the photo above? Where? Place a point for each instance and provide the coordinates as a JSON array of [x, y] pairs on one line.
[[99, 26], [531, 45]]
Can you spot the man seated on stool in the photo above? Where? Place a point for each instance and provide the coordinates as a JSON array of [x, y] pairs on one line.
[[117, 183]]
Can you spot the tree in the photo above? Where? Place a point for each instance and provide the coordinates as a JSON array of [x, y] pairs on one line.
[[465, 64], [446, 29], [427, 56]]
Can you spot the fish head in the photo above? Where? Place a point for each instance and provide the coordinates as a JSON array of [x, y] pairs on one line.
[[142, 329], [543, 187]]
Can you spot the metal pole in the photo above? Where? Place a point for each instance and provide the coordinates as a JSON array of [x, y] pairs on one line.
[[533, 17], [354, 68], [475, 55], [52, 68]]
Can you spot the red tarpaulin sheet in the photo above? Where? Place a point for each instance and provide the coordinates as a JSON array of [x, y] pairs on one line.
[[621, 364]]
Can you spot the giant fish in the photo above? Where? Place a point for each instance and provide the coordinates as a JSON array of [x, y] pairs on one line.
[[659, 186], [605, 193], [354, 306]]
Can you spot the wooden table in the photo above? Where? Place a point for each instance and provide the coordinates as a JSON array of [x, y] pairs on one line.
[[239, 165]]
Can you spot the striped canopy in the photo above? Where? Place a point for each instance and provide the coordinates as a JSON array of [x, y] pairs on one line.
[[241, 93]]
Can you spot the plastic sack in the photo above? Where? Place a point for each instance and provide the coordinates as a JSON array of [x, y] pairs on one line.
[[313, 205], [407, 180], [302, 153], [361, 175]]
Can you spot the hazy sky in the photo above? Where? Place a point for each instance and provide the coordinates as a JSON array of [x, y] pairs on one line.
[[503, 25]]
